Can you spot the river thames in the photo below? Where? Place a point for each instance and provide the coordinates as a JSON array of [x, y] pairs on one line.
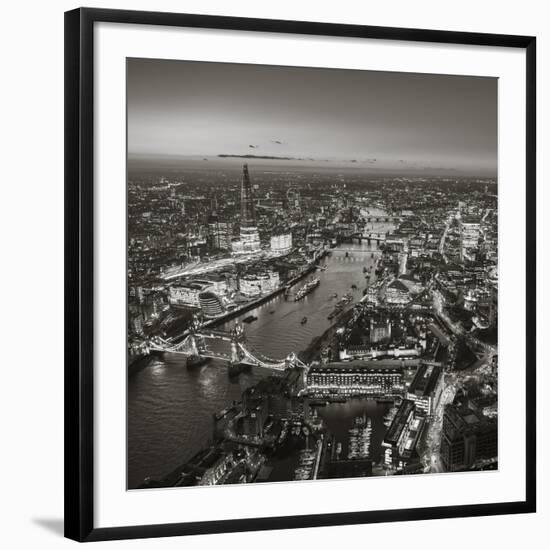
[[170, 408]]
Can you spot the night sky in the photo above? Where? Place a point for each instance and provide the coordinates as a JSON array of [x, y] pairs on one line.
[[380, 120]]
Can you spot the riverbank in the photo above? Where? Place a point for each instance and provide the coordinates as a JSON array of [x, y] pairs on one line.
[[170, 407], [230, 315], [312, 352], [142, 361]]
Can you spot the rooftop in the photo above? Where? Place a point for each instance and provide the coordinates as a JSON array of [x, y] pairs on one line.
[[464, 420], [357, 365], [398, 285], [425, 380], [399, 422]]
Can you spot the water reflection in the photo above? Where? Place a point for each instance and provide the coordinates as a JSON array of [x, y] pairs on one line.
[[339, 417], [278, 329], [170, 407]]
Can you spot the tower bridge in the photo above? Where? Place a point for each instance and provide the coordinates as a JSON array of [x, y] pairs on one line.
[[195, 344]]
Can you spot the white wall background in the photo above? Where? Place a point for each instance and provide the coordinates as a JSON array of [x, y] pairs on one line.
[[31, 315]]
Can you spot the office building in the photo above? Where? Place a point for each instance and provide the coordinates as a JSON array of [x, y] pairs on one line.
[[469, 236], [249, 235], [281, 243], [425, 389], [211, 304], [397, 293], [355, 378], [219, 233], [187, 294], [399, 443], [467, 437], [256, 284]]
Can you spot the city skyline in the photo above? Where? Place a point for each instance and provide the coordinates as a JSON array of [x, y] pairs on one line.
[[298, 310], [380, 122]]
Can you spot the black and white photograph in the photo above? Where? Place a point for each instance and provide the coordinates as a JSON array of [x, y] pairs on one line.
[[312, 274], [274, 275]]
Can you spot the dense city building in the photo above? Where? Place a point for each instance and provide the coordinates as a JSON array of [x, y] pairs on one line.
[[469, 233], [211, 304], [187, 294], [219, 233], [307, 300], [468, 437], [249, 236], [396, 311], [399, 443], [255, 284], [281, 243], [425, 389], [355, 378]]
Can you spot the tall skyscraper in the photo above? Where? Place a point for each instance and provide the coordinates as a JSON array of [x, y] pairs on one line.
[[469, 234], [248, 216], [219, 233], [250, 237]]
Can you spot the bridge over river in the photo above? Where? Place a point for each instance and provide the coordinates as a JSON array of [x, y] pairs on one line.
[[198, 344], [170, 407]]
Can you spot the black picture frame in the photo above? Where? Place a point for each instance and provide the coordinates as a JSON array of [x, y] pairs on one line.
[[79, 268]]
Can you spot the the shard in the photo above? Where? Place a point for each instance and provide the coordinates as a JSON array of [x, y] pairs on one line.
[[250, 238], [248, 218]]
